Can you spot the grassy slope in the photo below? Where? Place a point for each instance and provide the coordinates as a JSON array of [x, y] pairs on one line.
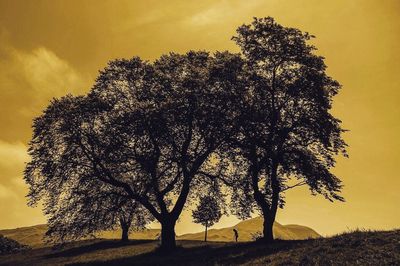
[[31, 235], [362, 248]]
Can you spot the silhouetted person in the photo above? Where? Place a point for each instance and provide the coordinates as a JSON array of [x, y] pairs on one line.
[[236, 234]]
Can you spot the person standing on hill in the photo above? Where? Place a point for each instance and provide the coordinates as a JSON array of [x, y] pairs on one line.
[[236, 234]]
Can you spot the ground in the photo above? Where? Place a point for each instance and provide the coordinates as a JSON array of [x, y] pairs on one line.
[[356, 248]]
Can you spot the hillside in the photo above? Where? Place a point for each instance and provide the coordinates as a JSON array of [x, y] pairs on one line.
[[356, 248], [249, 228], [33, 235]]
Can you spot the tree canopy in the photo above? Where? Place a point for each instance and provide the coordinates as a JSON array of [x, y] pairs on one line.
[[75, 202], [287, 136], [144, 129], [207, 213]]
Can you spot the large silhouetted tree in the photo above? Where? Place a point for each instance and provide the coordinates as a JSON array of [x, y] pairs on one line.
[[144, 129], [287, 132], [207, 213]]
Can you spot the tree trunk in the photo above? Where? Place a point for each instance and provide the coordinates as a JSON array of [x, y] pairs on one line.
[[125, 224], [125, 233], [259, 197], [168, 235], [270, 214], [205, 235], [268, 234]]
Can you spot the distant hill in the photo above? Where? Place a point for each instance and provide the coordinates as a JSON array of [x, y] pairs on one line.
[[147, 234], [251, 227], [33, 235]]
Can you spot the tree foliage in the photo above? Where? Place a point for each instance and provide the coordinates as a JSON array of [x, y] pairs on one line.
[[145, 130], [207, 213], [287, 136], [61, 174]]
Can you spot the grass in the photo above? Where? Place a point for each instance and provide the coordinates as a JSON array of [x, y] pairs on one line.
[[353, 248]]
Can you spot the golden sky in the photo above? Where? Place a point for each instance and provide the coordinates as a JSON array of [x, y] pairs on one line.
[[51, 48]]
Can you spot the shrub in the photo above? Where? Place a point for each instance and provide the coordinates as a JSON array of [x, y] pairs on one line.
[[8, 246]]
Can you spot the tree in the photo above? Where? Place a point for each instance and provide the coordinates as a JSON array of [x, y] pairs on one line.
[[286, 131], [144, 129], [208, 213], [80, 215], [75, 203]]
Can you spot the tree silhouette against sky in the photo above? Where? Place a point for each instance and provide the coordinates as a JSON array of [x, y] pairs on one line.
[[207, 213], [287, 136], [157, 133], [144, 129]]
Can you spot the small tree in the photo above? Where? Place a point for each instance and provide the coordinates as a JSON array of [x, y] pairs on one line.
[[208, 213]]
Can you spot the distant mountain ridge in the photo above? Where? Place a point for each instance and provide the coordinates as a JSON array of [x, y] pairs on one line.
[[249, 228], [33, 235]]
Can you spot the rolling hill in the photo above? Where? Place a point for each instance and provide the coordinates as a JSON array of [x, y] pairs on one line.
[[33, 235], [251, 227]]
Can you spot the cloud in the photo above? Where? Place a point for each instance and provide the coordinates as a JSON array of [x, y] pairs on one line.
[[46, 73], [28, 81], [12, 155], [6, 193], [222, 12], [13, 205], [39, 74]]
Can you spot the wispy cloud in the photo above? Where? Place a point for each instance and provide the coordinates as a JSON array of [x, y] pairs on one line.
[[12, 155], [222, 11], [28, 81], [39, 74], [46, 73], [6, 193]]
